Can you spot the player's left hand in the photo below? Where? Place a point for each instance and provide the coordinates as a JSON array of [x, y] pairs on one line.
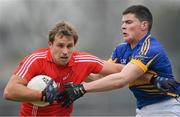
[[73, 92], [50, 92], [168, 85]]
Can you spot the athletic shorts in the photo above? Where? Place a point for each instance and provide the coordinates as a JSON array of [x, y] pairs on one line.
[[168, 108]]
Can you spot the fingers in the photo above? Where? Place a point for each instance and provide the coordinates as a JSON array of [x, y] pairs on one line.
[[50, 82], [59, 96], [66, 102], [69, 84], [50, 85]]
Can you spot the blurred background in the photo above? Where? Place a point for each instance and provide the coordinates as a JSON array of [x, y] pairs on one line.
[[24, 26]]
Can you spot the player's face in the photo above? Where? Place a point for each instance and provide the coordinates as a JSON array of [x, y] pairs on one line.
[[131, 28], [62, 49]]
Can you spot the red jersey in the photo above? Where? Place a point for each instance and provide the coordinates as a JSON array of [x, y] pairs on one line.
[[41, 63]]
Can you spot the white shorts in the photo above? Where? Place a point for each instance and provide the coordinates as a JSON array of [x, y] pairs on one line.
[[168, 108]]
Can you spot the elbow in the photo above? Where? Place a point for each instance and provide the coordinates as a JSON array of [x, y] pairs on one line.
[[120, 84], [7, 94]]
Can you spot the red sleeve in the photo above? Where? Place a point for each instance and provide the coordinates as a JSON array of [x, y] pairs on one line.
[[95, 63], [98, 66], [28, 68]]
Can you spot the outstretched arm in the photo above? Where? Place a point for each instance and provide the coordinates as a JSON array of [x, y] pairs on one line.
[[110, 68], [114, 81], [117, 80]]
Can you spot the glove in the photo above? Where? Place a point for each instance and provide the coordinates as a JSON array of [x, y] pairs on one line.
[[49, 93], [73, 92], [166, 85]]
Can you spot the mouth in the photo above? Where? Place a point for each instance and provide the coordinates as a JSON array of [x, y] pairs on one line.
[[64, 58], [125, 34]]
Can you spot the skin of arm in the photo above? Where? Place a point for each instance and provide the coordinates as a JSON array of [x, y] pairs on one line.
[[110, 68], [129, 73], [16, 90]]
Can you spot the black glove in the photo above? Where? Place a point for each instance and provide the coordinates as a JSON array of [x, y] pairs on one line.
[[49, 93], [166, 85], [73, 92]]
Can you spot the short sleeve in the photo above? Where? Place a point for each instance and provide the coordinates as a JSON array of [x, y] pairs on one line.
[[28, 68], [117, 53], [113, 58], [97, 66]]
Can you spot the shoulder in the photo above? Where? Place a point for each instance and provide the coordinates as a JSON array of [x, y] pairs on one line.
[[151, 46], [84, 57], [83, 54], [40, 54], [122, 45], [120, 48]]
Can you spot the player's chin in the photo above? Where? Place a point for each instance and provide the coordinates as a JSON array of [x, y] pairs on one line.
[[126, 39], [64, 61]]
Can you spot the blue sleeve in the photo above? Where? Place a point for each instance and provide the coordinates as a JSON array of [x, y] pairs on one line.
[[117, 53]]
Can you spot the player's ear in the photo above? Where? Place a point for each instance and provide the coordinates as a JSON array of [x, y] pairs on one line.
[[144, 25], [50, 43]]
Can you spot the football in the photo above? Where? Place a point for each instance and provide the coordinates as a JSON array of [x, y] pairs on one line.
[[40, 82]]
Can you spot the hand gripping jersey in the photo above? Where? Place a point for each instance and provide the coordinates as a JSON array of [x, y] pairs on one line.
[[151, 57], [41, 63]]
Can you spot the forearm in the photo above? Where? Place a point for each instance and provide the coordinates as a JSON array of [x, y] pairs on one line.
[[22, 93], [114, 81], [16, 90], [107, 83]]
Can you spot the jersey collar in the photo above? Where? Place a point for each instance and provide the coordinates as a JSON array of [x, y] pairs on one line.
[[147, 36]]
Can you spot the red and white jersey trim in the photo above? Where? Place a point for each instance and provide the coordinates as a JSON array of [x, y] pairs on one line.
[[27, 63], [88, 58], [34, 111]]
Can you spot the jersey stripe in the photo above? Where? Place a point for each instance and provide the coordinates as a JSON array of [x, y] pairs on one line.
[[34, 111], [95, 61], [28, 62], [89, 58], [112, 61], [30, 65], [77, 56], [148, 41], [145, 46], [86, 58]]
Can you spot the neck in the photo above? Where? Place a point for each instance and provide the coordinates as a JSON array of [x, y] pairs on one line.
[[135, 41]]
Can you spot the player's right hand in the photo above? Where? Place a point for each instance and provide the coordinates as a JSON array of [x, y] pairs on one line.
[[166, 85], [50, 92], [72, 92]]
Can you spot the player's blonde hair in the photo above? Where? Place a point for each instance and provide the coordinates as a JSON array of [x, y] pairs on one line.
[[63, 28]]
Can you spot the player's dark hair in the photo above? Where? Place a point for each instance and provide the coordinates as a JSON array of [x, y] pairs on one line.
[[63, 28], [141, 12]]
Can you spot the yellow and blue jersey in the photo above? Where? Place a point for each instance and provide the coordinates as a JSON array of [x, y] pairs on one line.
[[151, 57]]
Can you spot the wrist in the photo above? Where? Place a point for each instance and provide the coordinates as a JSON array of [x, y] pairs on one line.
[[84, 85], [43, 96], [83, 91]]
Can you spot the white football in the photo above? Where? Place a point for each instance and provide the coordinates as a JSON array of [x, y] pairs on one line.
[[39, 83]]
